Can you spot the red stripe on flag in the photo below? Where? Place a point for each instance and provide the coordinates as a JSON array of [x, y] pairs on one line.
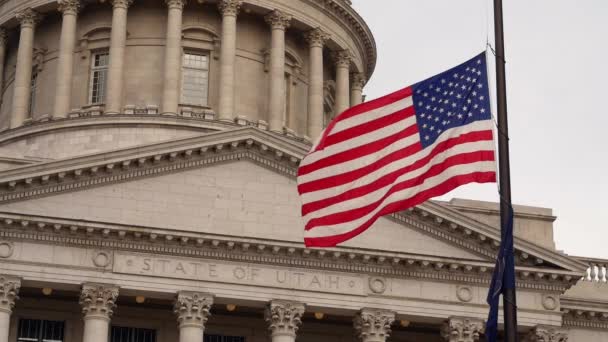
[[443, 188]]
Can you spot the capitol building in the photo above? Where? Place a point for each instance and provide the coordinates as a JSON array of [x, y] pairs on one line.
[[148, 154]]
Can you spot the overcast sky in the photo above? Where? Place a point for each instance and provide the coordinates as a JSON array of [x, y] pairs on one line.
[[557, 55]]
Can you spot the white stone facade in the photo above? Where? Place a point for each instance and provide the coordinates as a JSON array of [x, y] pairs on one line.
[[142, 214]]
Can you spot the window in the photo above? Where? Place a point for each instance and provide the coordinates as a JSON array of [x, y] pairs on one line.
[[35, 330], [220, 338], [195, 77], [33, 86], [99, 75], [124, 334]]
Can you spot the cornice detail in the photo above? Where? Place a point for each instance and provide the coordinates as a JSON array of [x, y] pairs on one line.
[[547, 334], [461, 329], [229, 7], [98, 300], [316, 37], [193, 308], [278, 20], [373, 324], [71, 7], [284, 317], [28, 17], [9, 293]]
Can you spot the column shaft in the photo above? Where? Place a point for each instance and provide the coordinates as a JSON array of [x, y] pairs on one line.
[[95, 330], [23, 73], [3, 42], [67, 41], [5, 320], [191, 333], [342, 59], [118, 42], [315, 38], [276, 102], [229, 9], [173, 54]]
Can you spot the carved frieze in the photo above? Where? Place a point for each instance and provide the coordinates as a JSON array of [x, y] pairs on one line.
[[284, 317], [98, 300], [192, 308], [459, 329], [547, 334], [372, 325], [9, 290]]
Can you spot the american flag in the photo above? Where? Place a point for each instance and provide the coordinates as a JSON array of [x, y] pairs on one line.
[[398, 151]]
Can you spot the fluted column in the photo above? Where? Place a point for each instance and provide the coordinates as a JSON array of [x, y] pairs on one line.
[[192, 310], [284, 318], [118, 41], [356, 89], [547, 334], [460, 329], [9, 290], [98, 302], [23, 74], [342, 59], [278, 22], [67, 41], [229, 10], [173, 54], [316, 38], [373, 325], [3, 42]]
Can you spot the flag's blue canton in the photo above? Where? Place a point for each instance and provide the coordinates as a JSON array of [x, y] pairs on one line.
[[453, 98]]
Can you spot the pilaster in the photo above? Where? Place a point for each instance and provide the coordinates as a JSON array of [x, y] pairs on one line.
[[373, 325], [461, 329], [284, 318]]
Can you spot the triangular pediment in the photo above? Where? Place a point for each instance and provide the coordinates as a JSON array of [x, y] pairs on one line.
[[257, 197]]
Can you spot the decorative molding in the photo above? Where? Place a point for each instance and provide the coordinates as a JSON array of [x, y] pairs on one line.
[[547, 334], [176, 4], [9, 293], [461, 329], [373, 325], [584, 314], [284, 317], [6, 249], [550, 302], [278, 20], [316, 37], [377, 285], [98, 300], [28, 17], [229, 7], [102, 258], [69, 7], [342, 58], [464, 293], [192, 308]]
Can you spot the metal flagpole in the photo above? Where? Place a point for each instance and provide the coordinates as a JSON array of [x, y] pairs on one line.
[[509, 300]]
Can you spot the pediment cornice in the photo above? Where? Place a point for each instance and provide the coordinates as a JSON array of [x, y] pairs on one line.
[[273, 151]]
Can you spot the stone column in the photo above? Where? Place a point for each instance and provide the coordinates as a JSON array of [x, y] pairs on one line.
[[23, 74], [356, 89], [284, 318], [98, 302], [278, 22], [373, 325], [547, 334], [342, 59], [173, 57], [192, 310], [460, 329], [316, 38], [9, 289], [67, 41], [229, 10], [118, 41], [3, 42]]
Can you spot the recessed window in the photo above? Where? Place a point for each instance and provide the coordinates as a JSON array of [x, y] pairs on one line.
[[126, 334], [33, 86], [35, 330], [195, 79], [221, 338], [98, 77]]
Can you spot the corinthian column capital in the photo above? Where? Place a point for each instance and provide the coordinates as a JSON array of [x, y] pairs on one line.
[[547, 334], [9, 290], [458, 329], [98, 300], [284, 317], [28, 17], [176, 4], [69, 6], [316, 37], [121, 3], [373, 325], [342, 58], [229, 7], [278, 20], [192, 308], [358, 80]]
